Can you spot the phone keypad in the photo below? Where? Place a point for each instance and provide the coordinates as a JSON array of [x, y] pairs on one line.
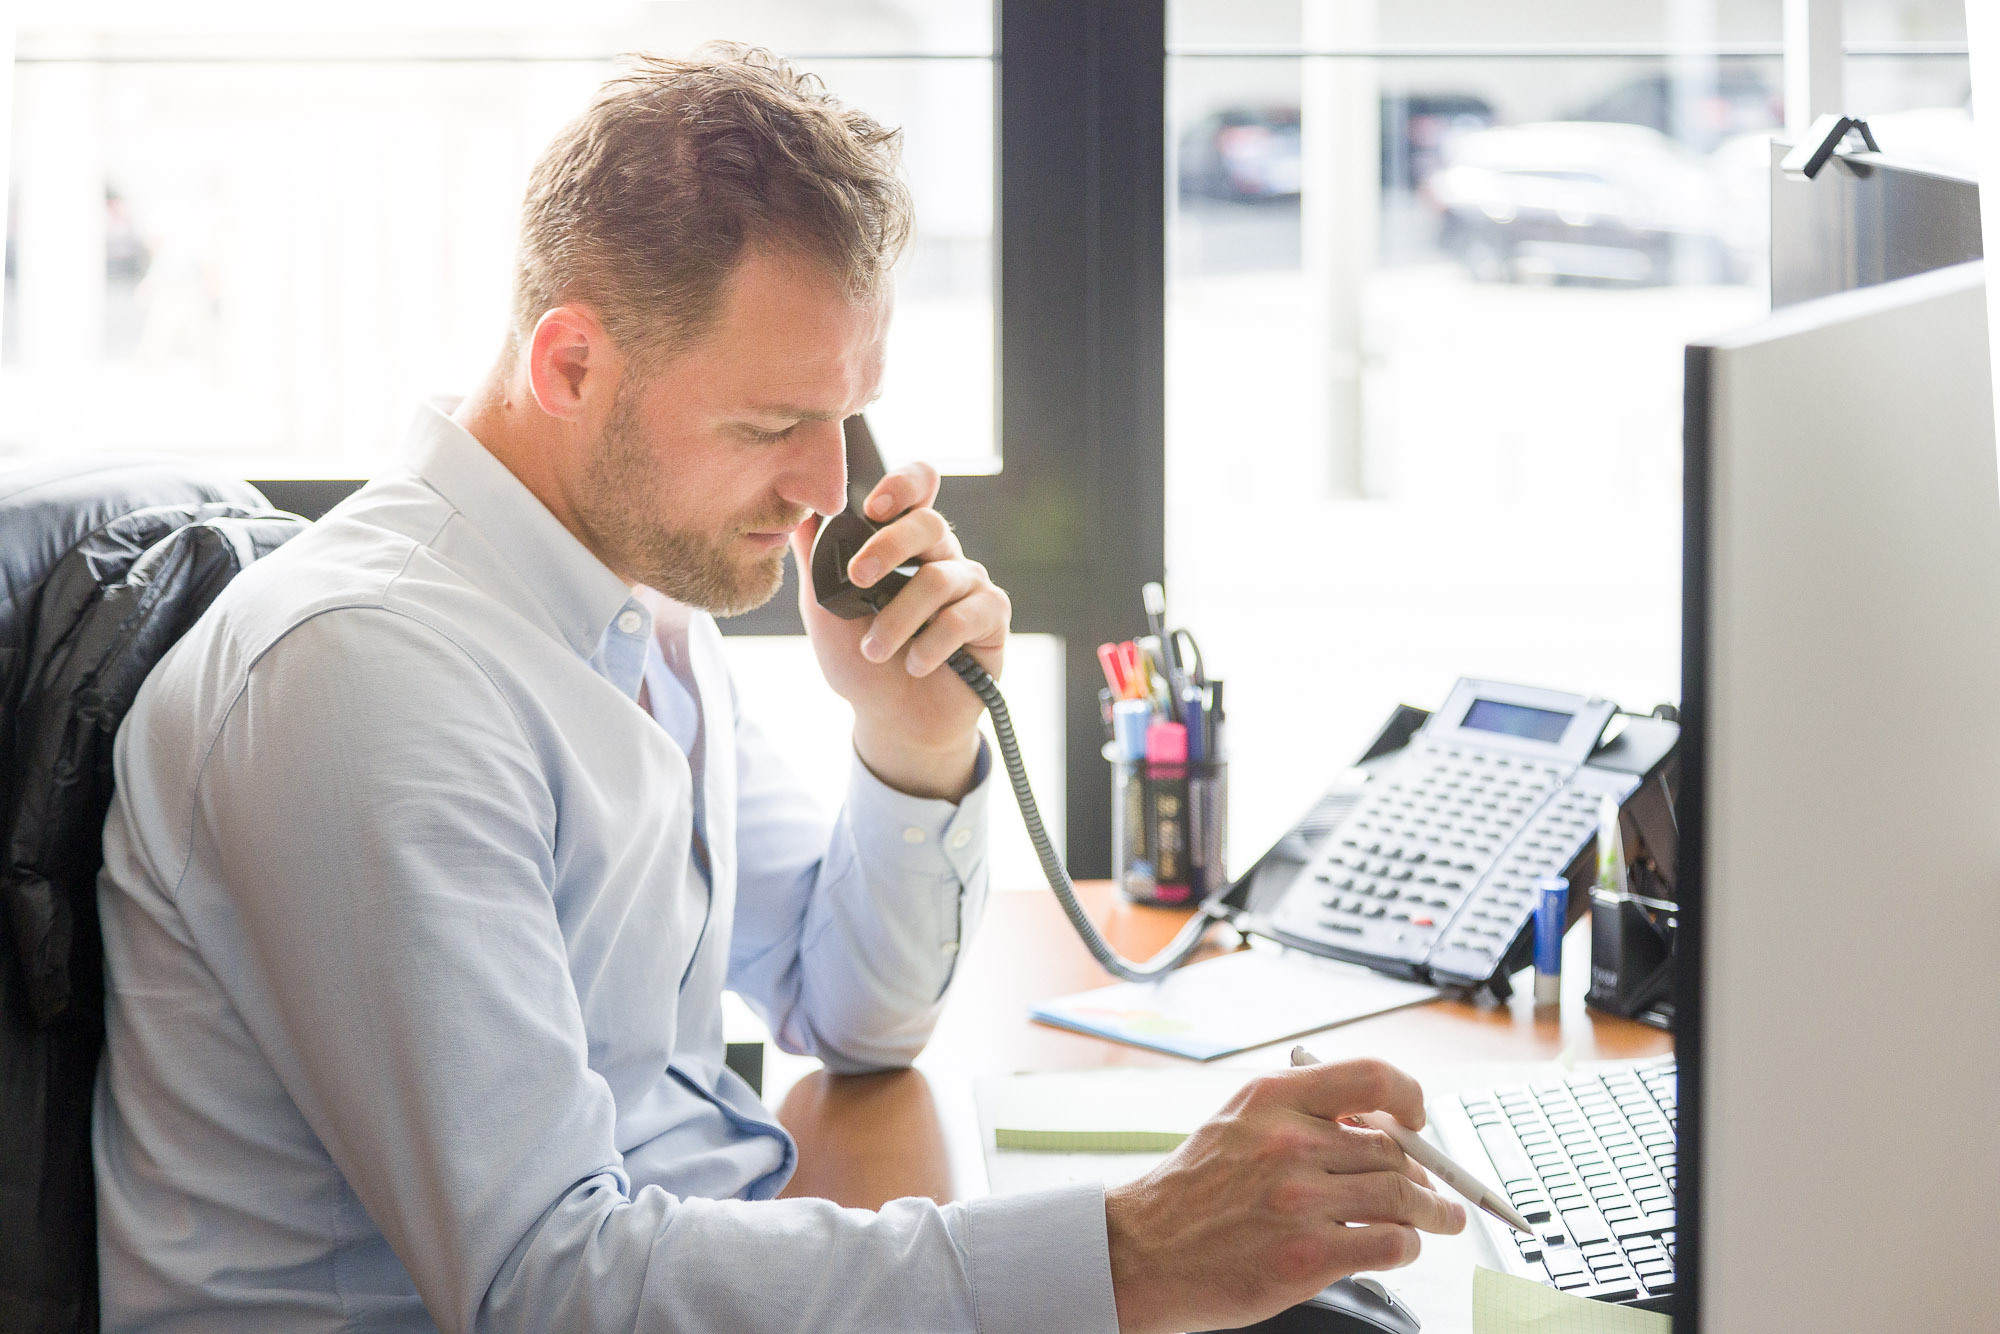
[[1434, 873]]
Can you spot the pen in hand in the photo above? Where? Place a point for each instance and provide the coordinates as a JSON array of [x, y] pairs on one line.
[[1439, 1166]]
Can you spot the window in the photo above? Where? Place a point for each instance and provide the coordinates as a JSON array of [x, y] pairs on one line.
[[1432, 268], [258, 236]]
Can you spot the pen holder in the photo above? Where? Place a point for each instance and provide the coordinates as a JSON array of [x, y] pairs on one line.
[[1169, 823], [1632, 957]]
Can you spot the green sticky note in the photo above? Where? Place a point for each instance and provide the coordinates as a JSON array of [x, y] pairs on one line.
[[1503, 1304]]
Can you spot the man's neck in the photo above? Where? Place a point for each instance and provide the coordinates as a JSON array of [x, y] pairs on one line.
[[504, 418]]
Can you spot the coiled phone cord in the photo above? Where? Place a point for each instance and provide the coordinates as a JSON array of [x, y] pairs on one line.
[[1177, 950]]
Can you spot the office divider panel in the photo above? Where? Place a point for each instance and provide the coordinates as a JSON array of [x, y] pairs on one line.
[[1840, 856]]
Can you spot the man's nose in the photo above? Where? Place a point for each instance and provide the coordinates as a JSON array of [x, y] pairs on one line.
[[819, 474]]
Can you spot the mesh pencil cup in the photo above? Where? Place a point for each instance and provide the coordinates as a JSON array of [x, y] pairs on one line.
[[1169, 821]]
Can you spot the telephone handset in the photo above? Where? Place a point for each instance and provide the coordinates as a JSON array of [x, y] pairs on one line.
[[1430, 873], [840, 536]]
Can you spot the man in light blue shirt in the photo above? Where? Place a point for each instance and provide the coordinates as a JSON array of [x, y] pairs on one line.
[[437, 840]]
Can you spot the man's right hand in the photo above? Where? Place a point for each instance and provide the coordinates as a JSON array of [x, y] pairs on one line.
[[1271, 1200]]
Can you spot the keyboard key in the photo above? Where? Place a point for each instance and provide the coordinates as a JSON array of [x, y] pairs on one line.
[[1623, 1290], [1505, 1151], [1585, 1225], [1563, 1260]]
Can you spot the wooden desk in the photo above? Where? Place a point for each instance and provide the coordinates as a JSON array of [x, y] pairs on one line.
[[867, 1139]]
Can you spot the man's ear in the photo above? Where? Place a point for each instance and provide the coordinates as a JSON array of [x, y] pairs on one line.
[[572, 363]]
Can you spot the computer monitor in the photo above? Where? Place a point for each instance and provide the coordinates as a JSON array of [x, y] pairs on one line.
[[1839, 1039]]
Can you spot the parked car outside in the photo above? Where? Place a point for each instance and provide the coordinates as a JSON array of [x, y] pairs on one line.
[[1740, 98], [1566, 199], [1248, 153], [1242, 153]]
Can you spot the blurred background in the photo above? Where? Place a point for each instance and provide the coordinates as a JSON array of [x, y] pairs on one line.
[[1430, 268]]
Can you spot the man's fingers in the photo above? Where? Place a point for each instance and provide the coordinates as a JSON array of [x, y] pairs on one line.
[[1336, 1146], [960, 605], [921, 535], [1344, 1088], [1377, 1246], [1391, 1197], [979, 620], [911, 486]]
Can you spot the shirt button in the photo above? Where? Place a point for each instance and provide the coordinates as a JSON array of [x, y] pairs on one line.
[[961, 838], [949, 949], [913, 835], [629, 621]]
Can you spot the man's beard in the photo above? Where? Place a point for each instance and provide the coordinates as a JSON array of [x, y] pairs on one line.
[[688, 565]]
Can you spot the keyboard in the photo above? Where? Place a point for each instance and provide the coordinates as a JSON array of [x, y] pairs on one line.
[[1590, 1160]]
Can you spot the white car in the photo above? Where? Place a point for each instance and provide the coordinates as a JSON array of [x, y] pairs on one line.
[[1583, 199]]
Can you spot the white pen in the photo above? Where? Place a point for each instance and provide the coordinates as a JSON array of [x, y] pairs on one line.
[[1427, 1157]]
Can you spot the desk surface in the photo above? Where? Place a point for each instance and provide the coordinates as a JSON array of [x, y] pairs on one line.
[[867, 1139]]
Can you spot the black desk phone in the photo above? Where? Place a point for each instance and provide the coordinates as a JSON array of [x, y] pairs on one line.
[[1428, 870]]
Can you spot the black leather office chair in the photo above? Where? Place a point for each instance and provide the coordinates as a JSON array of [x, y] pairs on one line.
[[103, 565]]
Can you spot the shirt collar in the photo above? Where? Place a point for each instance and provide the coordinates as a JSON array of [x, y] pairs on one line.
[[579, 592]]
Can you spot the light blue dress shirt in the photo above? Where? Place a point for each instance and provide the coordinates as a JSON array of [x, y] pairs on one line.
[[416, 928]]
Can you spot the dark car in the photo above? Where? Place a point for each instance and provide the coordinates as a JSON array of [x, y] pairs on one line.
[[1243, 153], [1251, 153]]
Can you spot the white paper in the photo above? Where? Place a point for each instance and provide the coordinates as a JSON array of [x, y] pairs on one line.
[[1232, 1003]]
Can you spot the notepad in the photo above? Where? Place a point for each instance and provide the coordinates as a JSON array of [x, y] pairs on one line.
[[1104, 1111], [1503, 1304], [1232, 1003]]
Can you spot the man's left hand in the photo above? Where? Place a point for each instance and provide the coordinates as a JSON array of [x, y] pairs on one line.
[[915, 722]]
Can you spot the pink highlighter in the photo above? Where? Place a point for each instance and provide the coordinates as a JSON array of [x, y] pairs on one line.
[[1166, 807]]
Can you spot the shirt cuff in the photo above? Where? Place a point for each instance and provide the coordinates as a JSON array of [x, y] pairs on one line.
[[1041, 1261], [911, 833]]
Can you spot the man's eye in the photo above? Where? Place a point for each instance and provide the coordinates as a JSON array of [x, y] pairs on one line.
[[769, 437]]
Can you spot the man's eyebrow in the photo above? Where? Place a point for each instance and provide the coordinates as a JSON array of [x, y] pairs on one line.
[[787, 410], [803, 414]]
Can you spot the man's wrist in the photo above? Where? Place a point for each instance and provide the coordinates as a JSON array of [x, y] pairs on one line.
[[935, 772]]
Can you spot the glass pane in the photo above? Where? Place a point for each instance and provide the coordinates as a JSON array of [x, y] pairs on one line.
[[1318, 25], [1884, 21], [1426, 320], [591, 29], [266, 261], [1919, 107], [782, 690]]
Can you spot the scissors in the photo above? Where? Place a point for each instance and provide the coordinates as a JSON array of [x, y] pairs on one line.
[[1184, 652]]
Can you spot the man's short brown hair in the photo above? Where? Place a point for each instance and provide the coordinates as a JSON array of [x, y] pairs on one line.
[[644, 205]]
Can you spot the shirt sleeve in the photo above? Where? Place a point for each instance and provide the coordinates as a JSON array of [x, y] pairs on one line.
[[370, 876], [845, 938]]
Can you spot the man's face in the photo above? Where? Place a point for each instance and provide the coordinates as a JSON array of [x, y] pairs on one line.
[[703, 468]]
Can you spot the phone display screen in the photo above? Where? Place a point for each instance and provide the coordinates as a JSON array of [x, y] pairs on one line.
[[1488, 715]]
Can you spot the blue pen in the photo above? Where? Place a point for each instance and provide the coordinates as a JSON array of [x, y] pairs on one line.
[[1551, 918], [1193, 716]]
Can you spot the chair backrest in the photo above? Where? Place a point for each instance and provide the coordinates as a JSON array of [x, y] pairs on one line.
[[102, 567]]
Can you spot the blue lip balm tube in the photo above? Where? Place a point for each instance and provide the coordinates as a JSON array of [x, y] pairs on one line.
[[1551, 916]]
